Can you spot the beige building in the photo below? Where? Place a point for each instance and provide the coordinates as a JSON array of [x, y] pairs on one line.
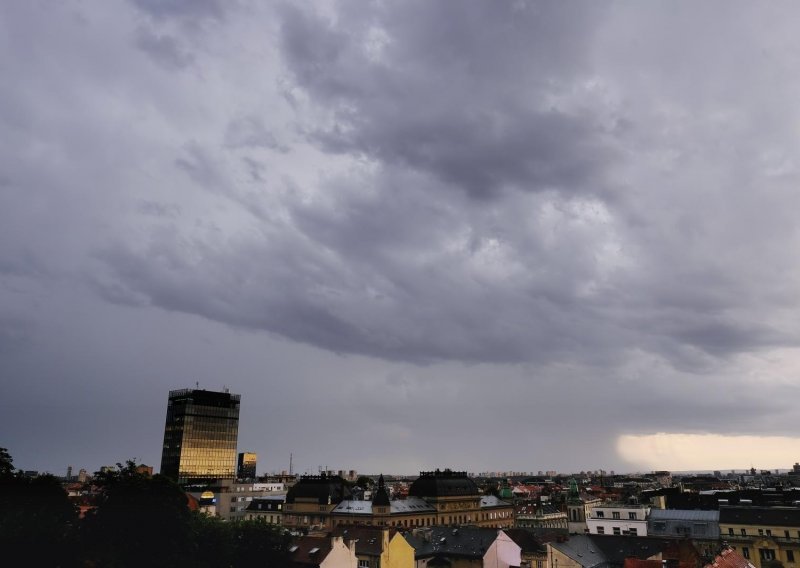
[[435, 498], [763, 535], [322, 552]]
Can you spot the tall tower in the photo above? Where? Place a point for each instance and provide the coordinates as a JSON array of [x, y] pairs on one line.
[[200, 435]]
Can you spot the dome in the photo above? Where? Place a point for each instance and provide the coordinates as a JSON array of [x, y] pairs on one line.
[[445, 483]]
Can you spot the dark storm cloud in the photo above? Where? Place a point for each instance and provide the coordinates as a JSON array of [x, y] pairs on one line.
[[189, 9], [164, 49], [460, 94], [561, 256], [528, 211]]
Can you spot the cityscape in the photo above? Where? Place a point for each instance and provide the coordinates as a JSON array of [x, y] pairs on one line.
[[395, 283], [443, 517]]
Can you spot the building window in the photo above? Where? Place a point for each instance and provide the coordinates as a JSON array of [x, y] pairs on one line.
[[600, 514], [744, 532], [746, 552], [769, 532], [633, 532], [616, 530], [766, 554], [539, 564], [730, 531], [615, 514], [363, 564], [760, 532], [786, 534], [601, 530], [632, 516], [790, 555]]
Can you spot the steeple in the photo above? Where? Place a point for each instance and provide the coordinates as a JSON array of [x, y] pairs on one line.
[[381, 498], [573, 495]]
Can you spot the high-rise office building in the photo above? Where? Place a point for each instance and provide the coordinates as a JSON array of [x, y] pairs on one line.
[[200, 435], [247, 465]]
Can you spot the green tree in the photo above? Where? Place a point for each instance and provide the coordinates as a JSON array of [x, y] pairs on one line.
[[6, 464], [365, 482], [213, 541], [139, 521], [36, 518], [258, 543]]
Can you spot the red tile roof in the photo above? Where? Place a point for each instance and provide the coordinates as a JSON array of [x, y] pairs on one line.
[[729, 558]]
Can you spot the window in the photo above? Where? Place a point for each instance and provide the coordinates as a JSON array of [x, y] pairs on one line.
[[786, 534], [601, 530], [615, 514], [760, 532], [600, 514], [659, 526], [744, 532], [363, 564], [632, 516], [766, 554], [790, 555], [769, 532], [746, 552], [633, 532], [730, 531], [616, 530]]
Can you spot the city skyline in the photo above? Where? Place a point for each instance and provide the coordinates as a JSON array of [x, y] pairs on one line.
[[519, 235]]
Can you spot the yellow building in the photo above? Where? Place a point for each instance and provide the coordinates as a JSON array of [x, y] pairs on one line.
[[378, 547], [763, 535]]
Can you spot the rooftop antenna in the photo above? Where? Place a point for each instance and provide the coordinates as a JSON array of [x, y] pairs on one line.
[[291, 469], [197, 384]]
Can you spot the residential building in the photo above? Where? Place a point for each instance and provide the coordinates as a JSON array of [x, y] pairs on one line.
[[322, 552], [701, 527], [534, 513], [532, 549], [200, 436], [729, 558], [763, 535], [604, 551], [618, 519], [269, 509], [378, 547], [464, 547]]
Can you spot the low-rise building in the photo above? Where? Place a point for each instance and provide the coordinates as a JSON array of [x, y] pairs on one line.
[[763, 535], [618, 519], [464, 547], [269, 509], [322, 552], [533, 514], [701, 527], [378, 547]]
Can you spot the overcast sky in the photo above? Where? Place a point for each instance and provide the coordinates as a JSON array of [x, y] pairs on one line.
[[480, 235]]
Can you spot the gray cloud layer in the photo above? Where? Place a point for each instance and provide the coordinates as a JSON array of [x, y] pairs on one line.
[[592, 207]]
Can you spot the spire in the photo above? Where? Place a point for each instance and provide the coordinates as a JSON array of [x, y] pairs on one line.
[[381, 498]]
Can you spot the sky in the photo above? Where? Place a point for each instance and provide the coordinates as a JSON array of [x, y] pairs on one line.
[[480, 235]]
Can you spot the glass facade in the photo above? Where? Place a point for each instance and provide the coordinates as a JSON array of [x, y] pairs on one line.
[[200, 435]]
